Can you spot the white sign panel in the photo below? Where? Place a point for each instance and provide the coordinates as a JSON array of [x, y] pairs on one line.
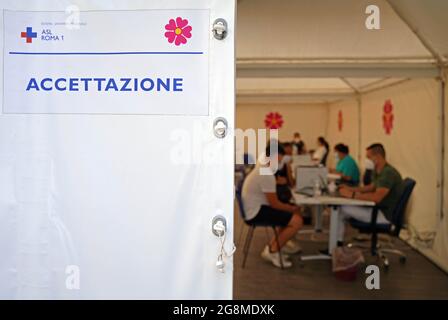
[[111, 62]]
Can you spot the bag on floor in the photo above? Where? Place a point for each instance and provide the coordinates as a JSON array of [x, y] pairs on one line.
[[345, 263]]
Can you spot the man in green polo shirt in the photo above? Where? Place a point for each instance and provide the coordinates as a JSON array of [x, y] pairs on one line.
[[346, 166], [385, 190]]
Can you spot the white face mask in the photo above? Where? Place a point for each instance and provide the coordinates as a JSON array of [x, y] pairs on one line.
[[369, 165], [336, 158]]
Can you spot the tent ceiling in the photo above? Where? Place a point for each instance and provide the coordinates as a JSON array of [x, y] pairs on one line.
[[360, 83], [291, 90], [279, 43], [306, 90], [303, 29], [428, 19], [303, 84], [282, 68], [366, 85]]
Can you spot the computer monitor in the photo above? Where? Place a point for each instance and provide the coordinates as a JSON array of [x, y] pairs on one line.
[[302, 160], [306, 177]]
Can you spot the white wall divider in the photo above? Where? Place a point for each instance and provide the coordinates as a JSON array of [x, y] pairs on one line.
[[107, 190]]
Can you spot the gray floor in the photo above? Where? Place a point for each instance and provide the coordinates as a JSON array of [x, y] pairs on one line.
[[418, 278]]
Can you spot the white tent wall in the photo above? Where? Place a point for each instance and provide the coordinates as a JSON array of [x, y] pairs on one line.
[[412, 147], [349, 133], [308, 119]]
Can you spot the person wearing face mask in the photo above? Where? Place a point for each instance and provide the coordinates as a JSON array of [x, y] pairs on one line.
[[262, 206], [298, 144], [384, 190], [284, 177], [346, 166], [321, 153], [284, 167]]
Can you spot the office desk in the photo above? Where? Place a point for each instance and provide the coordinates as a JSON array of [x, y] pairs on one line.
[[334, 203]]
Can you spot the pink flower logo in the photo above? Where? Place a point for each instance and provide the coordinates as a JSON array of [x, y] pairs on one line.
[[178, 31]]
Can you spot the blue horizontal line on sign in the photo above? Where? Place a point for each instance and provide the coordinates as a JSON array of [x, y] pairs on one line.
[[110, 53]]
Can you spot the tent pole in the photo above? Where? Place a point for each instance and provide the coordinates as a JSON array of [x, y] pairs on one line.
[[442, 143], [359, 101], [387, 86]]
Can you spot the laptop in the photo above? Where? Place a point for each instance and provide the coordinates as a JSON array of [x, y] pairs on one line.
[[306, 177], [302, 160], [307, 191]]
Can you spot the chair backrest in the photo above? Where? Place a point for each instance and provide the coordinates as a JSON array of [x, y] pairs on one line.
[[367, 178], [248, 158], [400, 209], [239, 199]]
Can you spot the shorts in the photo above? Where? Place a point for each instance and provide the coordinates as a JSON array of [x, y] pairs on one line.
[[270, 216]]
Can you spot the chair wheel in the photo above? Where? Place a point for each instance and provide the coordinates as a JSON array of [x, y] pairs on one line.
[[385, 263], [402, 260]]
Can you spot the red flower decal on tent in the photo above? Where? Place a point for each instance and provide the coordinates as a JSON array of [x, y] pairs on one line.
[[273, 120], [388, 117], [178, 31], [340, 120]]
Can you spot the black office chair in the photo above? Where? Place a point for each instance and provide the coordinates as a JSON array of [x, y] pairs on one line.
[[392, 229], [252, 227], [367, 177]]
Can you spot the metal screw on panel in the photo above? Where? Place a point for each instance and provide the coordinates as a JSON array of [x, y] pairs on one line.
[[220, 127], [219, 29]]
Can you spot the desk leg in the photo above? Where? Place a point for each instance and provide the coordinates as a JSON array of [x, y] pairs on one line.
[[333, 237], [318, 224], [334, 221]]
